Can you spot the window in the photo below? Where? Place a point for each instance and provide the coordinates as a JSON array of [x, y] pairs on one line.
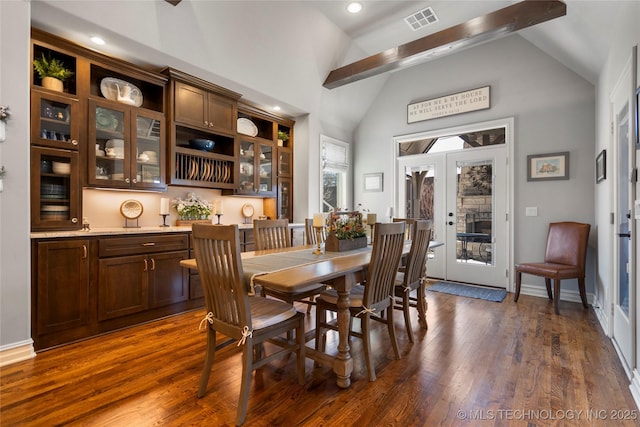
[[335, 173]]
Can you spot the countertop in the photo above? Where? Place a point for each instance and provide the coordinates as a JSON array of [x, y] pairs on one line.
[[112, 231]]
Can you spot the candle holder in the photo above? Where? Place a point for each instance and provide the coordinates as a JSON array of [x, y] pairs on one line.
[[218, 215], [318, 250], [164, 220]]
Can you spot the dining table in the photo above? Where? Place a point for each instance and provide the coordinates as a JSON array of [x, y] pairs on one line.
[[295, 268]]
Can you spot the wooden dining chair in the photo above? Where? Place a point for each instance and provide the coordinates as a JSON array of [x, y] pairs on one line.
[[275, 234], [408, 228], [271, 234], [251, 320], [565, 258], [310, 232], [370, 301], [413, 276]]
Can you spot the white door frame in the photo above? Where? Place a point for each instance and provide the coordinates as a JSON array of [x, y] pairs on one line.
[[508, 124]]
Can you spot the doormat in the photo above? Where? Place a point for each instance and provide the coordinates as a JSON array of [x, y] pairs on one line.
[[488, 294]]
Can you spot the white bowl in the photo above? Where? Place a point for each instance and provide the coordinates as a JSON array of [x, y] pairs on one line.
[[61, 168]]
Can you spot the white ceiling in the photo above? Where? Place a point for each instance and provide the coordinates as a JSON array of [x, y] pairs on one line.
[[579, 40]]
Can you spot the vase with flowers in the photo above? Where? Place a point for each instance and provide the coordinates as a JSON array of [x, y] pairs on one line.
[[193, 208], [345, 231]]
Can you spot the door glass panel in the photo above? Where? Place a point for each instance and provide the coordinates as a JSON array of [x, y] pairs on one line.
[[246, 165], [420, 194], [474, 212], [110, 145], [623, 210], [55, 119], [265, 162], [147, 150], [55, 187]]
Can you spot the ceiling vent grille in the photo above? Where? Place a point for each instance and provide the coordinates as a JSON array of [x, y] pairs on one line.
[[421, 19]]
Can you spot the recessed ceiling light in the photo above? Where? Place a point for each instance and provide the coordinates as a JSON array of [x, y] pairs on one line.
[[354, 7], [276, 108], [97, 40]]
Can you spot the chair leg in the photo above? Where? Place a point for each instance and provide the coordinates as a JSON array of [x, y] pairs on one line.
[[310, 303], [208, 361], [518, 283], [366, 343], [407, 314], [392, 332], [547, 282], [556, 294], [247, 372], [300, 353], [583, 292]]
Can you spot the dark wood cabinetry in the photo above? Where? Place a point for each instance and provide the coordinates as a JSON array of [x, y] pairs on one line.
[[61, 290], [138, 273], [84, 287], [201, 110]]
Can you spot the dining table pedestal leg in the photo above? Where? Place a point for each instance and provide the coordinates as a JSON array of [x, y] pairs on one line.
[[343, 364]]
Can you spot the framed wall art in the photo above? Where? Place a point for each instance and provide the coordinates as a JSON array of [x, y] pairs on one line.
[[601, 166], [373, 182], [547, 167]]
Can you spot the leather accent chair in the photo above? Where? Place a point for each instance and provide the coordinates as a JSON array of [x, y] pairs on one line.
[[565, 258]]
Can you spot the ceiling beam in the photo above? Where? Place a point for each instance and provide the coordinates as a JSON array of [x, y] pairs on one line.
[[173, 2], [483, 28]]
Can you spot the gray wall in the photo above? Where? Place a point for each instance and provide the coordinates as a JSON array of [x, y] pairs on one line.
[[554, 111]]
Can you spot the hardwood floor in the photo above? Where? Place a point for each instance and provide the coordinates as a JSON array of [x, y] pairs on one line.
[[479, 364]]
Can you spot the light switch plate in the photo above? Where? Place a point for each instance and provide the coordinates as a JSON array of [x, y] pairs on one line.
[[636, 208], [531, 211]]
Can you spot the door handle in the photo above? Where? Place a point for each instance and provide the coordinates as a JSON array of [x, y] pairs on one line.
[[450, 222], [624, 235]]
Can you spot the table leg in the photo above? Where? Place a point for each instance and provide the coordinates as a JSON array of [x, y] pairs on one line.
[[343, 364]]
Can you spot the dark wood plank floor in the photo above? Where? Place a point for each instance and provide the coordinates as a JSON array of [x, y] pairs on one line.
[[479, 364]]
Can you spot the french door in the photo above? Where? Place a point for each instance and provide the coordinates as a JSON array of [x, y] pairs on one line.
[[464, 192], [624, 291]]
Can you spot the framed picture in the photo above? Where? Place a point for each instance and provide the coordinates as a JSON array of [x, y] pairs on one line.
[[601, 166], [547, 167], [373, 182]]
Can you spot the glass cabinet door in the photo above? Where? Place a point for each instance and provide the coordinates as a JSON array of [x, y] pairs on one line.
[[55, 189], [148, 150], [265, 162], [247, 162], [284, 163], [285, 199], [109, 140], [55, 121]]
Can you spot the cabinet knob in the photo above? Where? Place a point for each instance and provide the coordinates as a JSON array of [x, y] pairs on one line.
[[134, 180], [74, 220], [127, 180], [74, 142], [206, 123]]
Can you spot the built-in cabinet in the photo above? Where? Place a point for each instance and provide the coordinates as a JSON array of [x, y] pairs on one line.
[[61, 312], [86, 286], [108, 124], [201, 110]]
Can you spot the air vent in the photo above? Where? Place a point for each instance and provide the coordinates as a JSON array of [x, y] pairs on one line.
[[421, 19]]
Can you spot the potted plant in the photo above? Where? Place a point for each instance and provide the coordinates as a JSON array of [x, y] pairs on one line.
[[345, 231], [52, 72], [283, 137]]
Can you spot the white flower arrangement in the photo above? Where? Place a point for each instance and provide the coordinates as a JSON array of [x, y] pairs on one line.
[[193, 207]]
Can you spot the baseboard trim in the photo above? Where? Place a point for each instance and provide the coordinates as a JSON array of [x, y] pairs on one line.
[[635, 387], [17, 352], [565, 295]]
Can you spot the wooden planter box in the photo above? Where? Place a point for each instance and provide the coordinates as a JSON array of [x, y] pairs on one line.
[[332, 244], [192, 221]]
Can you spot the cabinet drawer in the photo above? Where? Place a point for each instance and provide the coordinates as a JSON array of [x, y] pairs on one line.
[[119, 246]]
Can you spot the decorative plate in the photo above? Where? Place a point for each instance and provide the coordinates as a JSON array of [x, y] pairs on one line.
[[247, 127], [247, 210], [131, 209], [120, 91]]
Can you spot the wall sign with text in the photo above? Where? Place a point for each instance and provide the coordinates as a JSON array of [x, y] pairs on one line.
[[457, 103]]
